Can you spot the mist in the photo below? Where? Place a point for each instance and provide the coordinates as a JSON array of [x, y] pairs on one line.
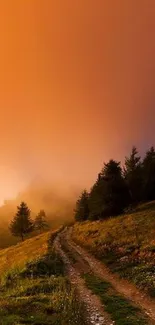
[[58, 204], [76, 89]]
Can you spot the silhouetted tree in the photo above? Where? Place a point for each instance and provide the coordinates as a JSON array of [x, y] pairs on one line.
[[115, 190], [96, 199], [21, 224], [82, 209], [40, 222], [149, 175], [116, 196], [133, 175], [109, 196]]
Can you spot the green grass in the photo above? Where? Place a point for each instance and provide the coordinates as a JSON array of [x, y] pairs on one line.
[[142, 275], [120, 309], [40, 301], [125, 243], [37, 292]]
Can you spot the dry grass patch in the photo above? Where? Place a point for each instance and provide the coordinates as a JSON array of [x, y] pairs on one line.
[[16, 256]]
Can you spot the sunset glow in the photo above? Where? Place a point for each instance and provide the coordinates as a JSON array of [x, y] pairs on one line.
[[76, 87]]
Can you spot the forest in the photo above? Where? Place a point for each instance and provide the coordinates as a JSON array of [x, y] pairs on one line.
[[118, 189]]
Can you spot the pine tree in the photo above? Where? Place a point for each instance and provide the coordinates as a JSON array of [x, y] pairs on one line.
[[40, 221], [82, 209], [133, 175], [109, 196], [149, 175], [96, 201], [21, 224], [116, 194]]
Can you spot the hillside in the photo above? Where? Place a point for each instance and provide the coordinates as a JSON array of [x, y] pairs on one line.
[[49, 280], [16, 256], [34, 289], [125, 243]]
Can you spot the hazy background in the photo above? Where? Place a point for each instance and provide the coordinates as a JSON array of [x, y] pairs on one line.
[[57, 202], [77, 87]]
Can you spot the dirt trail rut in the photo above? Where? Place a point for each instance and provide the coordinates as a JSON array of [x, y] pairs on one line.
[[122, 286], [78, 261], [95, 313]]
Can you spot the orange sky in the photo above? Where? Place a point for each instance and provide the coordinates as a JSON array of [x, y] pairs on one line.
[[77, 87]]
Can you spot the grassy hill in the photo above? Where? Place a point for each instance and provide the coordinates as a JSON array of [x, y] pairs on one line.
[[15, 257], [125, 243], [33, 287]]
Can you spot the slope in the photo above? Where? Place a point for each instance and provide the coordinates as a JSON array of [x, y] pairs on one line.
[[16, 256], [114, 301], [34, 289], [125, 243]]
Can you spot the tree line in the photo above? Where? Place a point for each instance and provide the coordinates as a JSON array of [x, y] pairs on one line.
[[118, 188], [22, 223]]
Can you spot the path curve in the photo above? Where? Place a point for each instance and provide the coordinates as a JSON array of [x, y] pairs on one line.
[[122, 286], [94, 309]]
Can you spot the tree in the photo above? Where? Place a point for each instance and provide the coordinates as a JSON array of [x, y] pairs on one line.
[[82, 209], [96, 201], [133, 175], [149, 175], [109, 196], [40, 222], [21, 224], [116, 194]]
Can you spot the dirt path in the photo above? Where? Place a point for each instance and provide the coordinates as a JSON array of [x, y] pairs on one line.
[[94, 309], [122, 286]]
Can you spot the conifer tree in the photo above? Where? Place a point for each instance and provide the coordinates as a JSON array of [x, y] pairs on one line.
[[133, 175], [21, 224], [96, 201], [116, 194], [109, 196], [149, 175], [40, 222], [82, 209]]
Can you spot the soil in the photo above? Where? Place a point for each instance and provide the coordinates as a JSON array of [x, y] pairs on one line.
[[78, 261]]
